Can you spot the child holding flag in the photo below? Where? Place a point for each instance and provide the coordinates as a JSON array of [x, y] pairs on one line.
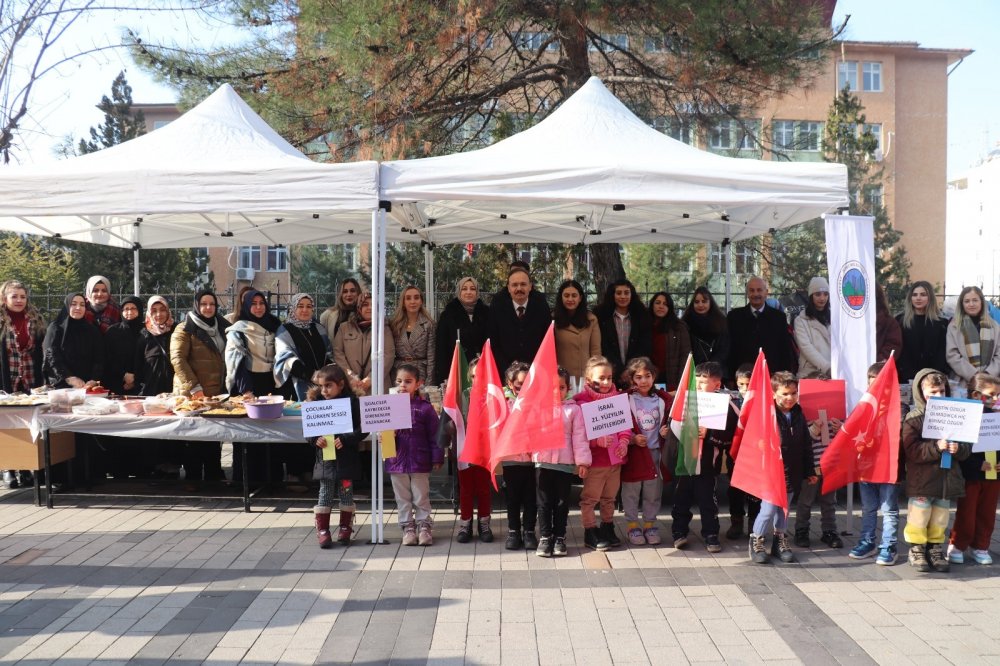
[[929, 487], [417, 454], [976, 514], [641, 473], [604, 477], [554, 473], [519, 478], [741, 505]]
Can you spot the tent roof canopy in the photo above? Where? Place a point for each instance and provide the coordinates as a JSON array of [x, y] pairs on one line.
[[216, 176], [592, 171]]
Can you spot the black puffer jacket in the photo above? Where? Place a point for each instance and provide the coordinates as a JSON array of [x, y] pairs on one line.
[[796, 448]]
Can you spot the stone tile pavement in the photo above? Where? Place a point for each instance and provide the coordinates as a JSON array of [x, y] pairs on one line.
[[141, 582]]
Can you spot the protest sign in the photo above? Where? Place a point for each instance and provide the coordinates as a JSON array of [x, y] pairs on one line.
[[989, 433], [954, 419], [713, 408], [326, 417], [606, 417], [385, 412], [827, 394]]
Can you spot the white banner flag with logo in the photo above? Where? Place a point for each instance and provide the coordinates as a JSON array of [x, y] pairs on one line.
[[850, 257]]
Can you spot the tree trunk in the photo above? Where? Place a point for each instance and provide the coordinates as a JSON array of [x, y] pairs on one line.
[[606, 260]]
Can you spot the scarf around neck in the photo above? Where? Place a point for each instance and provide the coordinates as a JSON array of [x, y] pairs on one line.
[[210, 328]]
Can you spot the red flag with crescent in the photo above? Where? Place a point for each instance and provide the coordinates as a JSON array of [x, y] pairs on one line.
[[487, 412], [867, 446], [759, 469]]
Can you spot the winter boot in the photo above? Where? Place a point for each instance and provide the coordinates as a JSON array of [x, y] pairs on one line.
[[938, 561], [610, 535], [594, 538], [346, 526], [802, 537], [735, 530], [425, 538], [832, 539], [464, 531], [781, 549], [918, 558], [322, 517], [409, 533], [757, 550], [485, 532]]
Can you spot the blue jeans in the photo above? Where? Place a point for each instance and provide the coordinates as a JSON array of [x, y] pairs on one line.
[[882, 497], [772, 518]]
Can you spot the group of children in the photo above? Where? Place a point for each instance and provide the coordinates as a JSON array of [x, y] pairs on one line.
[[638, 461]]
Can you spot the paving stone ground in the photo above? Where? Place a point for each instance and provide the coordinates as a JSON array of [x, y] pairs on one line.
[[146, 582]]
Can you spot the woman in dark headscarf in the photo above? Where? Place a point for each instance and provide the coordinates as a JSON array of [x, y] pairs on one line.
[[102, 311], [250, 348], [73, 349], [196, 353], [465, 318], [120, 343], [155, 375]]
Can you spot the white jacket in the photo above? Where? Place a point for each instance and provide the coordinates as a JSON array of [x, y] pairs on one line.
[[813, 339]]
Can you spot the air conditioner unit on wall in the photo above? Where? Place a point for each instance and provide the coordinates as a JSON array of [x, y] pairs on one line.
[[245, 274]]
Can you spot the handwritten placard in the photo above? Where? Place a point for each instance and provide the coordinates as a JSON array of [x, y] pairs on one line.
[[607, 416], [954, 419], [713, 409], [326, 417], [828, 394], [385, 412], [989, 433]]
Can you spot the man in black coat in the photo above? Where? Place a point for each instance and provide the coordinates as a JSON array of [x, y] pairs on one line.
[[756, 326], [519, 319]]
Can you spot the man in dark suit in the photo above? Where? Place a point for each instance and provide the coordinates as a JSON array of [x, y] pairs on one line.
[[756, 326], [519, 318]]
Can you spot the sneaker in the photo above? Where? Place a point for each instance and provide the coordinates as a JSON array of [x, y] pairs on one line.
[[886, 556], [611, 535], [636, 537], [918, 558], [865, 548], [409, 534], [680, 541], [936, 556], [424, 536], [735, 530], [784, 551], [559, 547], [758, 552], [801, 539], [982, 557], [545, 547], [652, 535], [593, 538], [955, 556], [514, 541], [464, 531], [712, 543], [530, 540], [832, 539], [485, 532]]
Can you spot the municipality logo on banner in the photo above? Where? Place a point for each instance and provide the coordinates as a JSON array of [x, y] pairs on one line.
[[854, 289]]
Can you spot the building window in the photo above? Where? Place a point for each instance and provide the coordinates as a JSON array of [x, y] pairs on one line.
[[157, 124], [784, 134], [657, 44], [728, 134], [874, 197], [277, 258], [612, 42], [875, 129], [809, 136], [249, 257], [744, 261], [534, 40], [721, 136], [871, 77], [675, 128], [847, 74]]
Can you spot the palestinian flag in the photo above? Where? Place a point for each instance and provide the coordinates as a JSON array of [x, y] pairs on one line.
[[455, 402], [684, 423]]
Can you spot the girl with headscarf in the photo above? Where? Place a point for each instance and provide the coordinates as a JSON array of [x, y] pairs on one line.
[[196, 354], [73, 349], [464, 318], [102, 311], [352, 349], [250, 348], [301, 346], [120, 342], [155, 375], [347, 302]]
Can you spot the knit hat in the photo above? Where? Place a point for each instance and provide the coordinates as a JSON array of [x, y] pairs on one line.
[[818, 284]]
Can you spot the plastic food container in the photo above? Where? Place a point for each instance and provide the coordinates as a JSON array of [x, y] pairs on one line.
[[131, 407], [157, 406], [292, 408], [96, 407], [267, 408], [63, 400]]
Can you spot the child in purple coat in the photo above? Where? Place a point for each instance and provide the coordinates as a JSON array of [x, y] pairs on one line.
[[416, 455]]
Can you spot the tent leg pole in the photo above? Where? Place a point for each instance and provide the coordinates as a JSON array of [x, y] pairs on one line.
[[727, 249], [135, 271], [429, 279]]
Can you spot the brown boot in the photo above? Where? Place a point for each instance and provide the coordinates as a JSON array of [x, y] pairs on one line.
[[346, 526], [322, 516]]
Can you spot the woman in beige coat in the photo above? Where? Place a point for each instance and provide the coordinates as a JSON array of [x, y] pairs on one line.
[[812, 332], [352, 348], [413, 332], [972, 341], [577, 333]]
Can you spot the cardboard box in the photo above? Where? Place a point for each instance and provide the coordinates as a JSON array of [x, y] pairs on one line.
[[18, 451]]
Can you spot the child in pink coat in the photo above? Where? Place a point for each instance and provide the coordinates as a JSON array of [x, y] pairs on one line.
[[555, 469]]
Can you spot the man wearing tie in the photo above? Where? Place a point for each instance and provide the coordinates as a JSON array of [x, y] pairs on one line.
[[756, 326], [518, 321]]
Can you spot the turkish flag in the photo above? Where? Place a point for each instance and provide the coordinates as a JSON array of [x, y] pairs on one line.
[[759, 470], [535, 420], [487, 412], [867, 446]]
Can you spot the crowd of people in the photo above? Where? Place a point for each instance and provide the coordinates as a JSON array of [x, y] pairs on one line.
[[621, 344]]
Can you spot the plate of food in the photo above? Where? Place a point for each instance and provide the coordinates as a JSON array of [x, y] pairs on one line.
[[292, 408], [234, 412], [23, 400]]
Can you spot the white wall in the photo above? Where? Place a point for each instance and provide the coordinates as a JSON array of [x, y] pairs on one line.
[[973, 229]]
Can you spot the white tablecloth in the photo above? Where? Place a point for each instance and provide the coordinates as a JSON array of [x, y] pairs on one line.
[[16, 418], [285, 429]]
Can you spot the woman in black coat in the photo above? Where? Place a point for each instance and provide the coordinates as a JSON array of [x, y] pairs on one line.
[[73, 348], [120, 342], [465, 318], [708, 327], [154, 373], [621, 302]]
